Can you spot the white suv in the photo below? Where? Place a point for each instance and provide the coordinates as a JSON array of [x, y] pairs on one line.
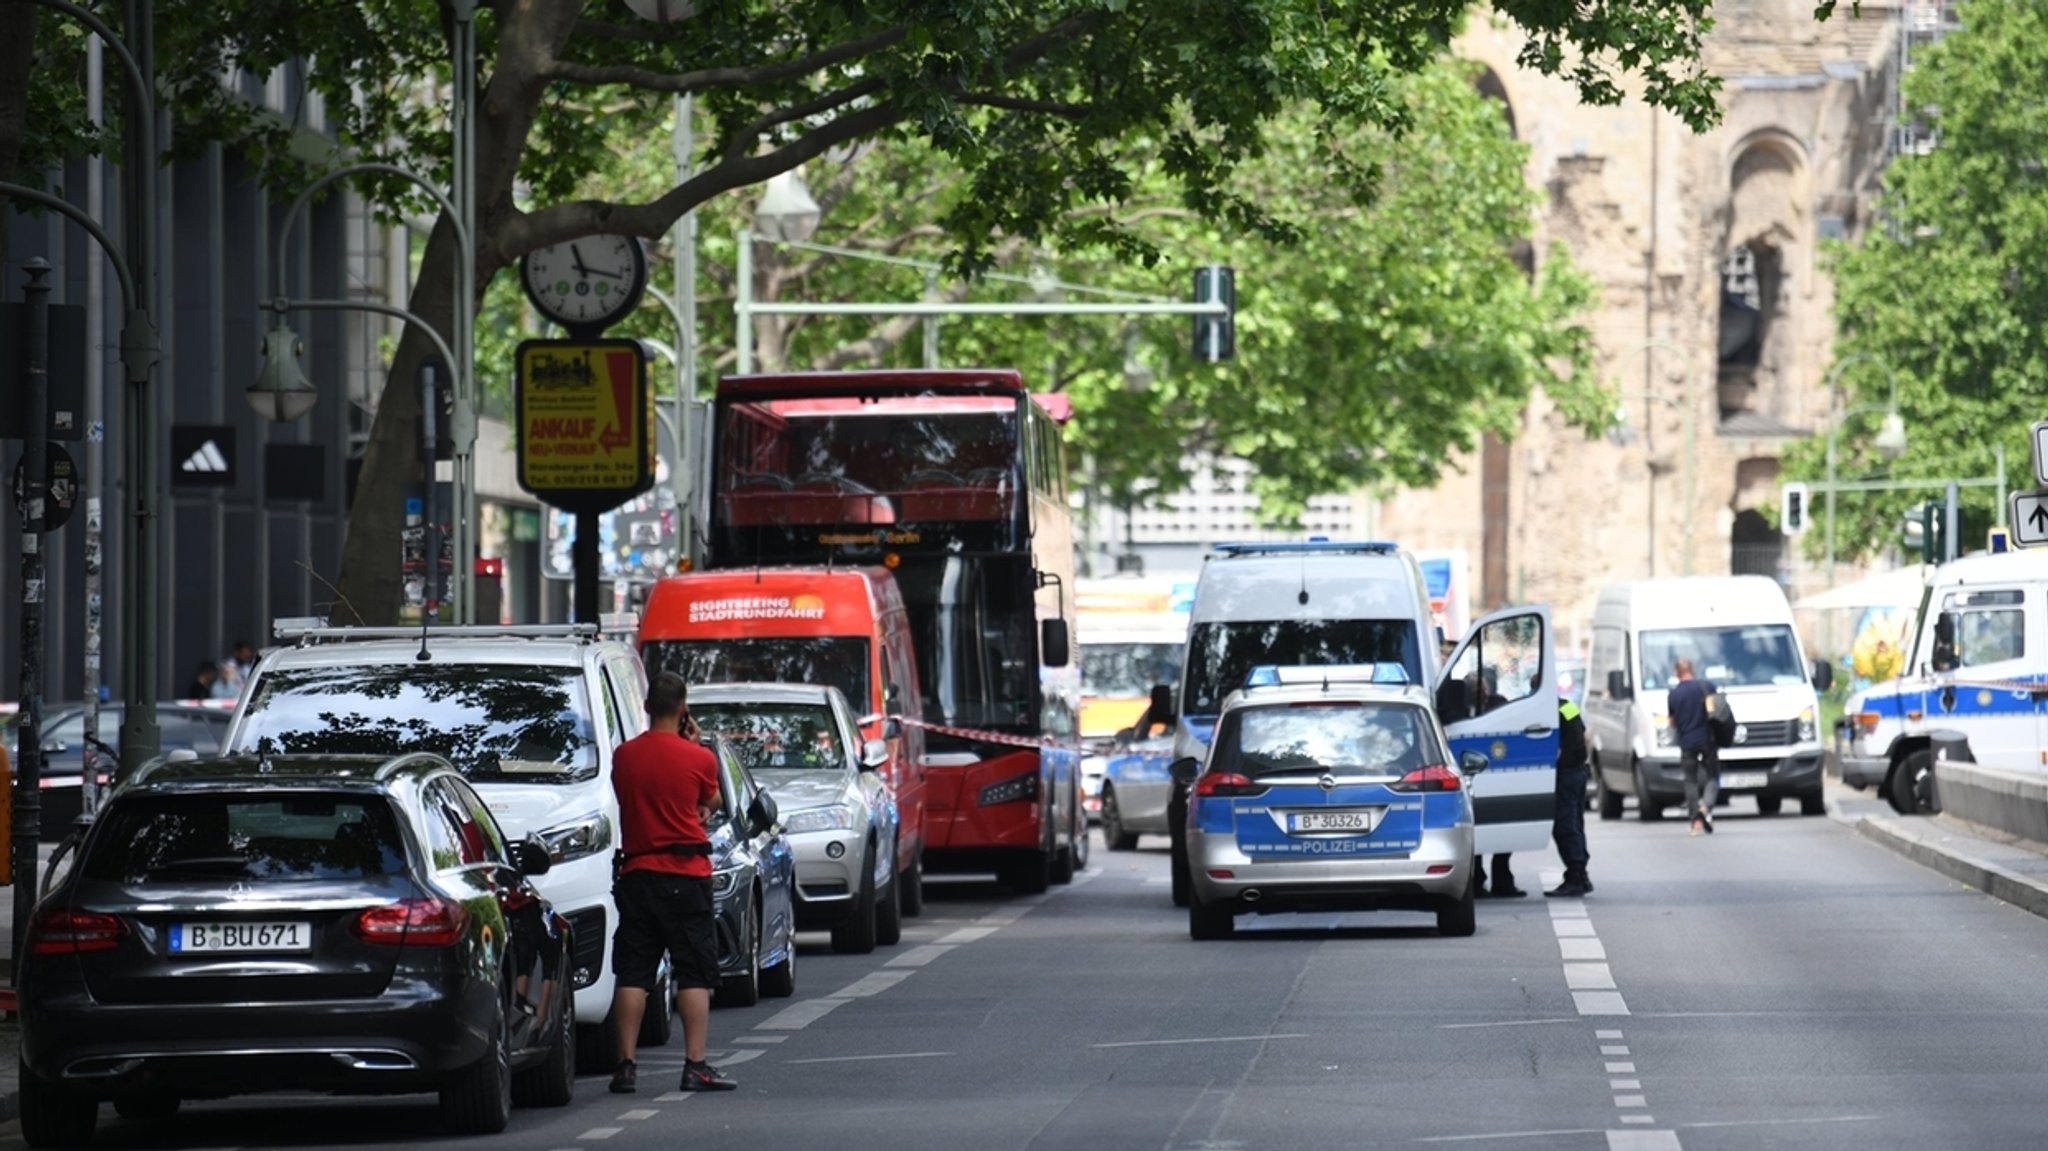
[[531, 715]]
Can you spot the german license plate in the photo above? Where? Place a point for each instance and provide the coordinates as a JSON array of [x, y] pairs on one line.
[[1731, 780], [192, 938], [1360, 820]]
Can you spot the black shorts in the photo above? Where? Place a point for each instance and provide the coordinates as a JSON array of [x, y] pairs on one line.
[[660, 912]]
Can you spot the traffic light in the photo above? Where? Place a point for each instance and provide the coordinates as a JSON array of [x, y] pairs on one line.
[[1933, 532], [1792, 509], [1216, 336]]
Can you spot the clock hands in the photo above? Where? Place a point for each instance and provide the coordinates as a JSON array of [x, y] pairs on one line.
[[587, 272]]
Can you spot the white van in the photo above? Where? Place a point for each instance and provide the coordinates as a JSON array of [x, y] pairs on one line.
[[1976, 681], [1325, 602], [1738, 632]]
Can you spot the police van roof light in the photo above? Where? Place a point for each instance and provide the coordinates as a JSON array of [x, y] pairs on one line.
[[1308, 547], [1269, 675]]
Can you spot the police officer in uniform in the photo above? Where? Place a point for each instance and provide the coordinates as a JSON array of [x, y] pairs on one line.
[[1568, 825]]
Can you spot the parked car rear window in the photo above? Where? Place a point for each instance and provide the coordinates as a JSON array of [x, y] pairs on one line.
[[182, 839], [495, 722], [776, 736], [1391, 739]]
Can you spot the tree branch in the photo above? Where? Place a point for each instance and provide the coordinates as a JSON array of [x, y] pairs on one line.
[[526, 231], [647, 32], [1019, 104], [743, 140], [698, 81]]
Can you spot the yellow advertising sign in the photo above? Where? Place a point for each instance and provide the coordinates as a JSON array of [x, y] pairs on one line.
[[582, 414]]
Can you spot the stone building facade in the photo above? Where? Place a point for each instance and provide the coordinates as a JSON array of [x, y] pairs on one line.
[[1713, 319]]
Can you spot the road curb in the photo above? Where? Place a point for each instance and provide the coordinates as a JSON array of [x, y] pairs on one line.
[[1939, 853]]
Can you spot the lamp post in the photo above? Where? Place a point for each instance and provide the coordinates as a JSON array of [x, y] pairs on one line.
[[682, 356], [1685, 403], [1890, 441], [787, 213], [282, 391]]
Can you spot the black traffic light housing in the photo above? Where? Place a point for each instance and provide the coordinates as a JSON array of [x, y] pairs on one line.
[[1216, 336]]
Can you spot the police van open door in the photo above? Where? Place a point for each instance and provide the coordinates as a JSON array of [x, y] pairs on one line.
[[1498, 697]]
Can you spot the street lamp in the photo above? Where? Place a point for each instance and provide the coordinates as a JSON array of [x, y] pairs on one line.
[[786, 210], [281, 391], [1890, 441]]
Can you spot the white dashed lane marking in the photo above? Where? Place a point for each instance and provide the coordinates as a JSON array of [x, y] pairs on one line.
[[873, 1058], [919, 956], [638, 1114], [600, 1132]]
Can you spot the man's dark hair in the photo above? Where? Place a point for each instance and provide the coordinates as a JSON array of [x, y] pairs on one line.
[[666, 693], [206, 667]]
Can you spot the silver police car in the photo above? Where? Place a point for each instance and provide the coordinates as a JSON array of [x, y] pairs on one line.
[[1329, 789]]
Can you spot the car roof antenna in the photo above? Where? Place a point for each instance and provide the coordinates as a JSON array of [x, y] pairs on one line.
[[426, 617], [1302, 597]]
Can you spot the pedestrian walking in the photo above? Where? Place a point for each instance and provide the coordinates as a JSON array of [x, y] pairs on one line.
[[1568, 823], [1698, 758], [234, 670], [667, 786]]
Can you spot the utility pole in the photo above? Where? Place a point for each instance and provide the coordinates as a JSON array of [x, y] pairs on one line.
[[33, 479]]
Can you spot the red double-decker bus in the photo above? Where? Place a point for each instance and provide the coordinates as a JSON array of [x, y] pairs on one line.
[[954, 480]]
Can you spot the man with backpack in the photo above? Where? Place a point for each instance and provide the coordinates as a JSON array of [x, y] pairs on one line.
[[1698, 756]]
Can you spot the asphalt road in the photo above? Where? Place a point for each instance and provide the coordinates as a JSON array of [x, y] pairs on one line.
[[1783, 983]]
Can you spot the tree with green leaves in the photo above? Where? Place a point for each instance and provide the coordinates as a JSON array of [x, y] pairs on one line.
[[1947, 289], [1046, 109]]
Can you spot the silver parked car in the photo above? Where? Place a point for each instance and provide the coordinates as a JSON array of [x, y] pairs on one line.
[[1323, 793], [801, 744]]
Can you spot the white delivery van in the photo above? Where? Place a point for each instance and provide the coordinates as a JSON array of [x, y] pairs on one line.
[[1738, 632], [1976, 681], [1326, 602]]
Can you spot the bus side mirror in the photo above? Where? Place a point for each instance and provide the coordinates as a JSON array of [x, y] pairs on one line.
[[1945, 641], [1052, 643], [1617, 684], [1823, 675]]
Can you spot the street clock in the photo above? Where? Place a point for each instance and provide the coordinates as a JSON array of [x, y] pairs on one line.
[[586, 284]]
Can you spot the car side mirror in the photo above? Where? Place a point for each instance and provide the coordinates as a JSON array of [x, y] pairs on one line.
[[531, 857], [54, 746], [1184, 769], [1052, 643], [1823, 675], [1472, 762], [1945, 641], [873, 754], [762, 814], [1617, 685]]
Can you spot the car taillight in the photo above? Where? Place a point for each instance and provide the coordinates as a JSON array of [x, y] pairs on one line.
[[1435, 777], [1226, 784], [62, 931], [415, 922]]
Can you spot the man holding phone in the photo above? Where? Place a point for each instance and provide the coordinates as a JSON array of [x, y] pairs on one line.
[[667, 786]]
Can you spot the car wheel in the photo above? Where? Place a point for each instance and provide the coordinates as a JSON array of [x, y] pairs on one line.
[[1063, 864], [479, 1100], [1460, 917], [889, 913], [1178, 864], [856, 936], [1209, 922], [146, 1106], [553, 1083], [1647, 808], [1114, 836], [1081, 833], [1911, 788], [1769, 804], [1611, 801], [52, 1115], [744, 989], [658, 1025], [912, 883], [779, 981], [1813, 803]]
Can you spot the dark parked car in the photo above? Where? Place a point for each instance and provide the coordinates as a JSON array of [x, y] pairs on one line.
[[350, 924], [753, 880], [193, 727]]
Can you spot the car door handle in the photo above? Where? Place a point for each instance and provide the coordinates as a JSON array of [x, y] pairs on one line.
[[1537, 731]]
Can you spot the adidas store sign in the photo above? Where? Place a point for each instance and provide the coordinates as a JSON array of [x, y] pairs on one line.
[[202, 456]]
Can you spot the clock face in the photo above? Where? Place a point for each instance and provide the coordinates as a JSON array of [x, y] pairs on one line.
[[587, 282]]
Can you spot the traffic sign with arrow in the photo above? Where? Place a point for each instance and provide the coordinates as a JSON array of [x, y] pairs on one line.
[[2028, 512]]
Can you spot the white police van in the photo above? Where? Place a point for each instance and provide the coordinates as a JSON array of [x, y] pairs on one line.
[[1321, 602], [1975, 686]]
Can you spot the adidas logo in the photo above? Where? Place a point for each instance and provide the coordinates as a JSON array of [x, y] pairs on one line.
[[206, 459]]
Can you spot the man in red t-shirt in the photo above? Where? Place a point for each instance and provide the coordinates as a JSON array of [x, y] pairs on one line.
[[668, 789]]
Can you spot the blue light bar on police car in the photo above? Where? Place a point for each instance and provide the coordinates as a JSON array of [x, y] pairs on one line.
[[1309, 547], [1270, 675]]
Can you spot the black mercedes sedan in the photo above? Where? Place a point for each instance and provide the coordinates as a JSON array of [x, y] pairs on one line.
[[346, 924]]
